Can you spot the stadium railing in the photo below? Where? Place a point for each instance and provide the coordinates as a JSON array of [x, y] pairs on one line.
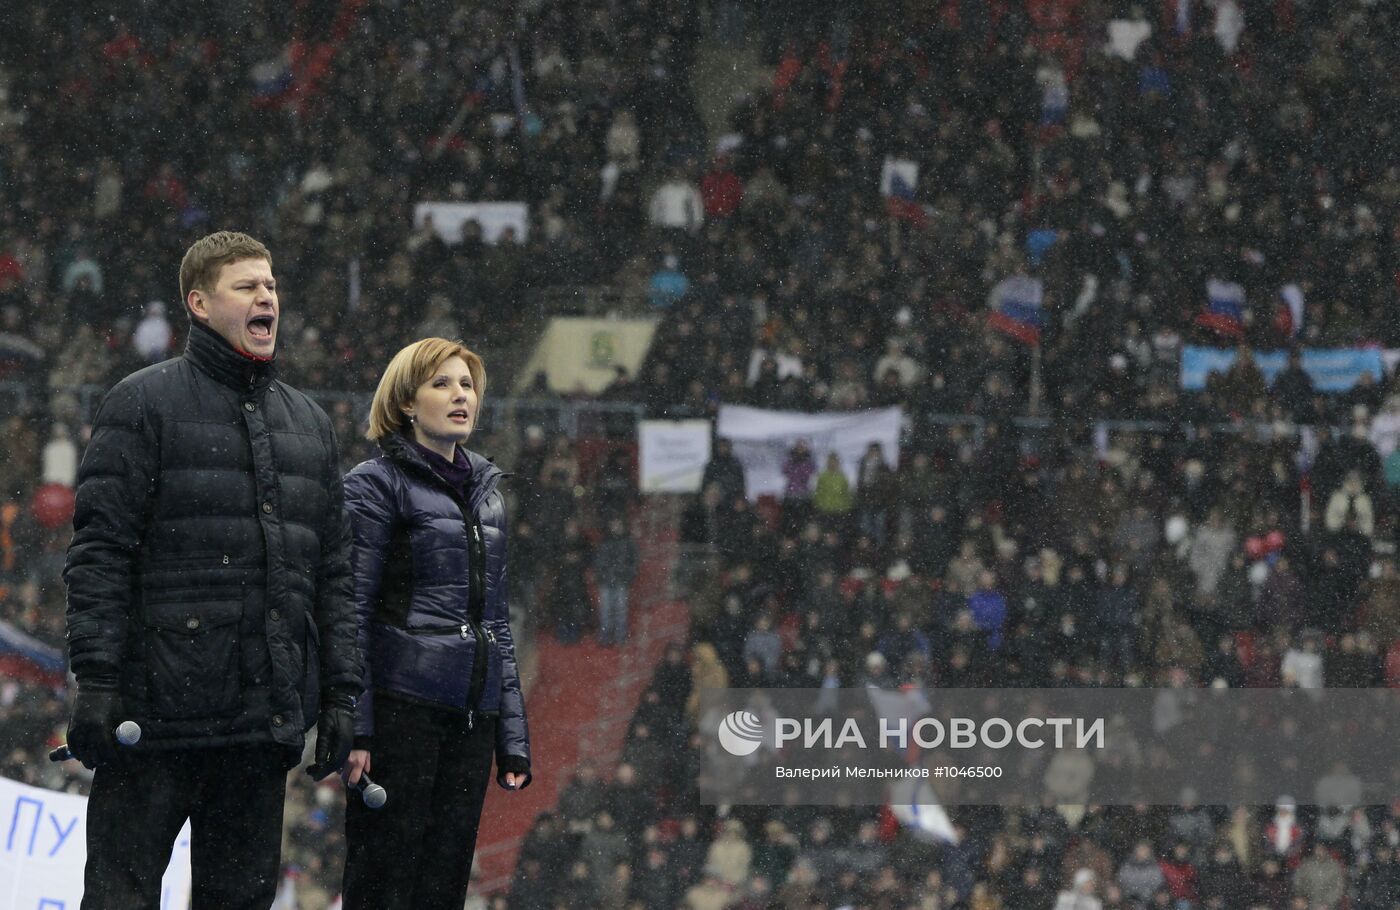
[[618, 419]]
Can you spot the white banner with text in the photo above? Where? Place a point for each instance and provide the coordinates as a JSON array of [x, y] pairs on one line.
[[43, 848], [672, 455]]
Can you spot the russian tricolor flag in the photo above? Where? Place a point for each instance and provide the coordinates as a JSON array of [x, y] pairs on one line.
[[1289, 316], [899, 179], [913, 804], [1224, 308], [22, 656], [274, 77], [1016, 307]]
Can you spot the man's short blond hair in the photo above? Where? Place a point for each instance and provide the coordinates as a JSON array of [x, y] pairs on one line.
[[410, 368], [209, 254]]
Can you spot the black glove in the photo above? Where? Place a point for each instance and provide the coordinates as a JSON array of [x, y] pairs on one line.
[[335, 734], [513, 764], [92, 736]]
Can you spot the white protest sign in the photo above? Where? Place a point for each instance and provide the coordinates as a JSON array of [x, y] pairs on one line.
[[672, 455], [43, 848]]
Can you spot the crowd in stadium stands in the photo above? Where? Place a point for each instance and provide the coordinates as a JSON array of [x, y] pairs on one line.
[[1124, 154]]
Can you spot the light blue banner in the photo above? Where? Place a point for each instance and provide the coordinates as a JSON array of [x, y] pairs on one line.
[[1331, 369]]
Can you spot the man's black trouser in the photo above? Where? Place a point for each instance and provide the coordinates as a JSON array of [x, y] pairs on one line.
[[416, 852], [233, 798]]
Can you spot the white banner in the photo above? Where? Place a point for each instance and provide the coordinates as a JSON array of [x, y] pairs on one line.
[[672, 455], [44, 848], [494, 218], [762, 440]]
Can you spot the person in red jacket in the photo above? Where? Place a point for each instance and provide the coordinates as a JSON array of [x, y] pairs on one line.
[[1179, 873], [721, 189]]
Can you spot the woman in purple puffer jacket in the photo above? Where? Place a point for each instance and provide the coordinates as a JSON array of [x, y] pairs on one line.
[[442, 694]]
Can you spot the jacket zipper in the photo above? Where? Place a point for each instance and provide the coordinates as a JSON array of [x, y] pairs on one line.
[[454, 629], [476, 605], [476, 608]]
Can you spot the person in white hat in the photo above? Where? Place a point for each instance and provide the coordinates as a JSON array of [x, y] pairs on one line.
[[1080, 896]]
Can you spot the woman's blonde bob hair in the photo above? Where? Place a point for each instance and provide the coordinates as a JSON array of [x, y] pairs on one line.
[[410, 368]]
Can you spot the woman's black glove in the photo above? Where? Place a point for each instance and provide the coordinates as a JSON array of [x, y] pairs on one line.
[[92, 736], [513, 764], [335, 734]]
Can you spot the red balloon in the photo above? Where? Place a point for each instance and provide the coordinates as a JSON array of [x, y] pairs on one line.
[[53, 505]]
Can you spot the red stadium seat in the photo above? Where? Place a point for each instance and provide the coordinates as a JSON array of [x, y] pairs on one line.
[[1392, 665]]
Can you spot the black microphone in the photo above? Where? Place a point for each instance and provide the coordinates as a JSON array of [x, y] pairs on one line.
[[128, 734], [374, 795]]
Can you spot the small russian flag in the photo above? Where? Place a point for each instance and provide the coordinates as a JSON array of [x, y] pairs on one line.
[[915, 805], [899, 179], [1224, 308], [22, 656], [901, 204], [1289, 317], [1016, 307]]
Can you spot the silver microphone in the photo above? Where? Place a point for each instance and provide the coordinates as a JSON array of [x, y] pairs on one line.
[[374, 795], [128, 734]]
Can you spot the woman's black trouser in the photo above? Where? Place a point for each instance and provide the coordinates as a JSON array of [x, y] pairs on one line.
[[416, 852]]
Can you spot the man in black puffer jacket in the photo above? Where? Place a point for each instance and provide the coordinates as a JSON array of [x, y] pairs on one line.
[[209, 599]]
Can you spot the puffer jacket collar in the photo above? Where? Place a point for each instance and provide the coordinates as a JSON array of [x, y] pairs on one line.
[[485, 475], [211, 353]]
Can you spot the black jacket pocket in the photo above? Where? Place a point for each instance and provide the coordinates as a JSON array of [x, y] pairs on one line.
[[192, 659]]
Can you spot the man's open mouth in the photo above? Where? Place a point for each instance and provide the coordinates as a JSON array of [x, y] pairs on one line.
[[260, 326]]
